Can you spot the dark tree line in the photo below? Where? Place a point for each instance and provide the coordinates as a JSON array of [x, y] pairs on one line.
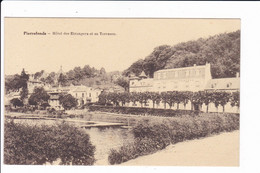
[[173, 97], [221, 51]]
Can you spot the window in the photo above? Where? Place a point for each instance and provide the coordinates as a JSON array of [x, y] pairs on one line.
[[213, 85], [159, 75], [176, 74], [89, 94], [197, 72], [133, 83], [164, 75], [229, 85], [197, 83], [82, 94], [76, 94]]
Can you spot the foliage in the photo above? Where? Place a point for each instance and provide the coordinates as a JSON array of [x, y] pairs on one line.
[[68, 101], [37, 145], [196, 98], [143, 111], [39, 74], [123, 82], [155, 97], [235, 99], [222, 98], [39, 97], [24, 93], [16, 83], [62, 80], [154, 135], [16, 102], [221, 51]]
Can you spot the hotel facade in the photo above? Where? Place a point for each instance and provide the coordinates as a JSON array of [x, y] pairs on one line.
[[195, 78]]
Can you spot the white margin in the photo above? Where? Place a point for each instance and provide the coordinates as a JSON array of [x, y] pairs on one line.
[[248, 12]]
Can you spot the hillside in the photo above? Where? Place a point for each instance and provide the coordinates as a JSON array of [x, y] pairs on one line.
[[222, 51]]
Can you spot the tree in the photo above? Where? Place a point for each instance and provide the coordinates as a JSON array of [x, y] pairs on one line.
[[12, 83], [113, 97], [16, 102], [68, 101], [164, 97], [103, 98], [235, 99], [62, 80], [123, 82], [24, 93], [207, 99], [23, 82], [39, 97], [216, 99], [49, 80], [197, 99], [102, 71], [124, 98], [142, 98], [37, 75], [155, 97], [78, 75], [134, 97], [224, 98], [178, 97], [87, 71], [222, 51], [186, 98]]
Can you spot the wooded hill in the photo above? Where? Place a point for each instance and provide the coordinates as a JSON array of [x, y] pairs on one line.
[[221, 51]]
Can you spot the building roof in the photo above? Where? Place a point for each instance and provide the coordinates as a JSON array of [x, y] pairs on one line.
[[81, 88], [142, 75], [182, 68], [223, 84]]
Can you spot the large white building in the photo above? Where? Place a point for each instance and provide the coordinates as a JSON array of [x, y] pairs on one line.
[[83, 94], [195, 78]]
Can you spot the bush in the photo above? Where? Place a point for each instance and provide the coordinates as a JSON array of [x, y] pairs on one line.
[[143, 111], [151, 136], [36, 145]]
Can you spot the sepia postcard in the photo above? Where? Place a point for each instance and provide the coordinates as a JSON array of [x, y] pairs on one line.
[[116, 91], [121, 92]]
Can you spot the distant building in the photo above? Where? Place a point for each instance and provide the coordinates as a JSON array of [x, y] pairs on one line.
[[82, 93], [179, 79]]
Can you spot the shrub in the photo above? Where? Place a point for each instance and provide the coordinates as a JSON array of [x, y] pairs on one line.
[[153, 135], [24, 144], [143, 111]]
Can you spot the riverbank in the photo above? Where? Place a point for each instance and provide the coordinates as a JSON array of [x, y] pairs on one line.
[[217, 150]]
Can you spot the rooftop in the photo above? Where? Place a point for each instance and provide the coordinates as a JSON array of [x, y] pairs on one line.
[[183, 68]]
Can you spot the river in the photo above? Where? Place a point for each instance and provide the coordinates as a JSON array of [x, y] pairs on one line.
[[103, 138]]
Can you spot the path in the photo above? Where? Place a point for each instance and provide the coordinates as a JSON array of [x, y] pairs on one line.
[[218, 150]]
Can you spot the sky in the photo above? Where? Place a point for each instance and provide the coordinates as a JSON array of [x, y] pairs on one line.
[[129, 40]]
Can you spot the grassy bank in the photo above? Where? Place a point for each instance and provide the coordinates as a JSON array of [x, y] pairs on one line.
[[152, 135], [37, 145]]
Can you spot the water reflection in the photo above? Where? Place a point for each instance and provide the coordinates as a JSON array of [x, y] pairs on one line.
[[107, 138]]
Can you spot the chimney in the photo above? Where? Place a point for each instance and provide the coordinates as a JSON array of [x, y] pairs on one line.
[[194, 65], [237, 75]]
